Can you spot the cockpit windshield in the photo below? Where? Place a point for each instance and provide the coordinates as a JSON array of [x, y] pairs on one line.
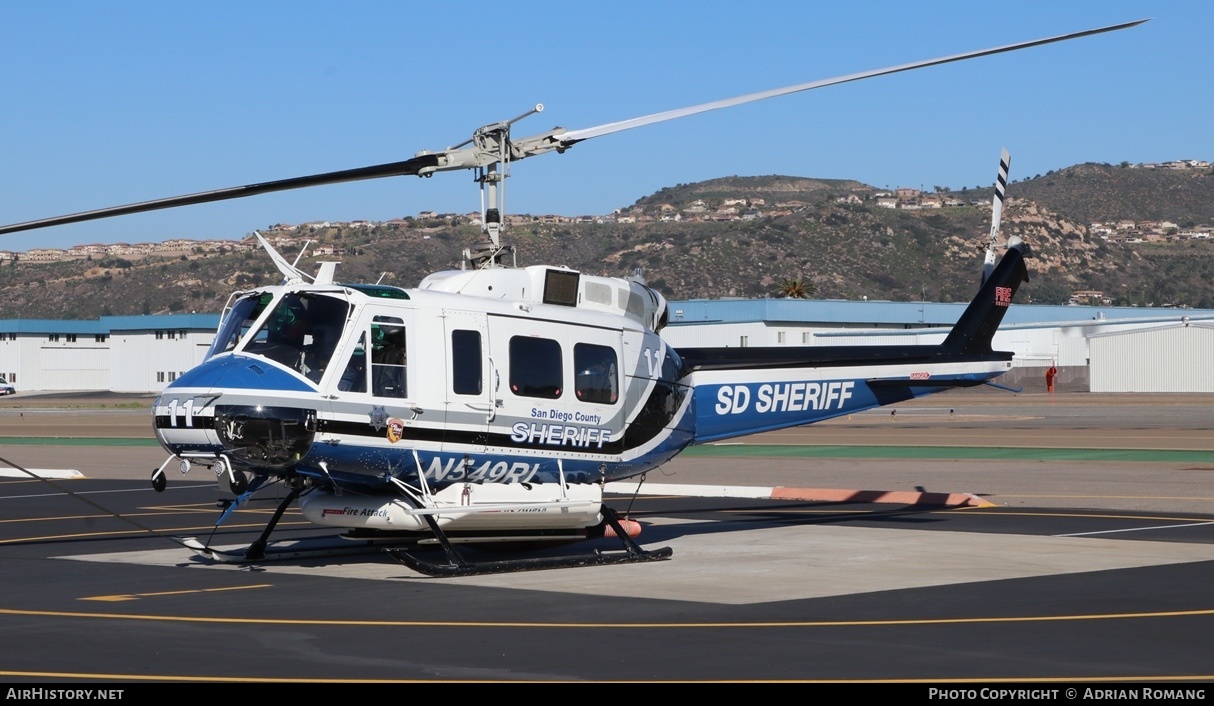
[[301, 332], [237, 323]]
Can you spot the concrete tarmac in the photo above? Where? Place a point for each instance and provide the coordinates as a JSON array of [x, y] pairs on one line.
[[755, 591]]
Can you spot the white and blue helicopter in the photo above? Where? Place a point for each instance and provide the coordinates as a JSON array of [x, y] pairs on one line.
[[492, 403]]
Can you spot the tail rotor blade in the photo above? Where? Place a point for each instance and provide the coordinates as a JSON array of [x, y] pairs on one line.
[[1005, 164]]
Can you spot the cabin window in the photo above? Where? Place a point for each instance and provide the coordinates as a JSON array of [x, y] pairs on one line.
[[354, 377], [466, 362], [301, 333], [388, 361], [597, 374], [535, 367]]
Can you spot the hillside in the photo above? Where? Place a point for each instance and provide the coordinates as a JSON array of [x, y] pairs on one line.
[[771, 189], [1102, 192], [795, 228]]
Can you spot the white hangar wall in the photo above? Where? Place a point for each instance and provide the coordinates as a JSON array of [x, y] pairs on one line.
[[1164, 359], [117, 353], [143, 362], [71, 366], [40, 354], [33, 362]]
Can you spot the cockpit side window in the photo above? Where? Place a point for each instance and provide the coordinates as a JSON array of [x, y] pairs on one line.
[[388, 360], [301, 332], [354, 377]]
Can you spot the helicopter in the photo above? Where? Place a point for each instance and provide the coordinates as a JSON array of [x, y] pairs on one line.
[[492, 403]]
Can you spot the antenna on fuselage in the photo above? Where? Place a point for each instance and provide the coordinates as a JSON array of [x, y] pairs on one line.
[[295, 265], [290, 273]]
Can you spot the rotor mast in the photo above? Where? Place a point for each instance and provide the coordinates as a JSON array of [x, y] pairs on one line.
[[493, 148]]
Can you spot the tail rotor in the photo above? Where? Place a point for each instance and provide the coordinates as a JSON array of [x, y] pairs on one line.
[[988, 264]]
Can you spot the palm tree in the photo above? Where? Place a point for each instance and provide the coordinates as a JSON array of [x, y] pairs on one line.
[[795, 288]]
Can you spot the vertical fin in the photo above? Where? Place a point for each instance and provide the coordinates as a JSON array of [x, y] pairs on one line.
[[973, 332], [1005, 165]]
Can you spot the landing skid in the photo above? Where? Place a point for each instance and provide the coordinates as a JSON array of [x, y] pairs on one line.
[[282, 551], [261, 550], [457, 566]]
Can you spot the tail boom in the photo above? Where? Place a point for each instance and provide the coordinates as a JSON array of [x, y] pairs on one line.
[[738, 402], [740, 391]]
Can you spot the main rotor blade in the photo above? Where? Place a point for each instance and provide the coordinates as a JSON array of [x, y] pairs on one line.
[[539, 144], [405, 168], [573, 136]]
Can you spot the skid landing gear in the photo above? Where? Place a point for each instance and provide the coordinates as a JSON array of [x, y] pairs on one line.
[[255, 551], [457, 566]]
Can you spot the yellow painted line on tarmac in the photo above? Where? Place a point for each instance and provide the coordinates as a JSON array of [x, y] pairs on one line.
[[1105, 497], [1101, 516], [120, 533], [151, 512], [136, 596], [154, 511], [1202, 612]]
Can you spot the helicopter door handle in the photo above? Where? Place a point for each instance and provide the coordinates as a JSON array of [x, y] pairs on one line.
[[494, 402]]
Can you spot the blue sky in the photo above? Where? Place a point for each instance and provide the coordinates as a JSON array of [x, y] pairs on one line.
[[114, 103]]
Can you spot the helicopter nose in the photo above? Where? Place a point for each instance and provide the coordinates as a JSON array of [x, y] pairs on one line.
[[265, 437], [226, 406]]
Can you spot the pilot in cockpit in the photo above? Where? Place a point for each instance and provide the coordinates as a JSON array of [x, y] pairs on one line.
[[318, 349], [285, 333]]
